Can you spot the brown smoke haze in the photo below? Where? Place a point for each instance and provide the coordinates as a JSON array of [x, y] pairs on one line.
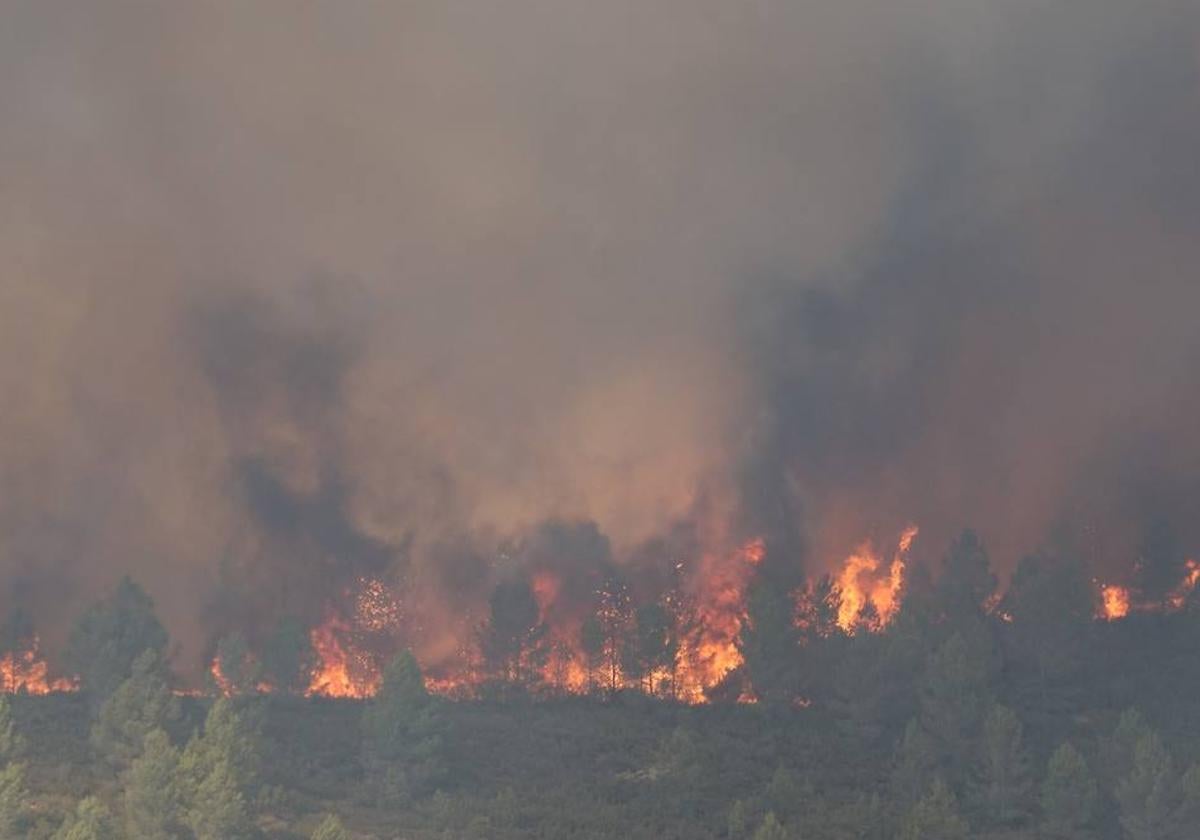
[[292, 292]]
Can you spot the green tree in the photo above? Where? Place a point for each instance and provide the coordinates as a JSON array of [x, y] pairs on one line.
[[110, 636], [141, 704], [913, 766], [91, 821], [966, 582], [679, 756], [1050, 603], [784, 792], [1117, 751], [12, 744], [1148, 796], [152, 790], [331, 828], [217, 809], [769, 644], [1004, 785], [404, 727], [955, 693], [935, 817], [1068, 795], [771, 829], [13, 796], [288, 657], [229, 737]]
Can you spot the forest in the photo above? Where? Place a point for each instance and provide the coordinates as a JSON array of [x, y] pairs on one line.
[[1032, 711]]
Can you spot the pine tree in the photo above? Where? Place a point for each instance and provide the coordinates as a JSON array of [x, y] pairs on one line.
[[1050, 603], [111, 636], [771, 829], [288, 657], [403, 726], [229, 735], [331, 828], [784, 792], [13, 797], [91, 821], [955, 695], [141, 704], [935, 817], [152, 790], [966, 582], [1003, 777], [217, 810], [1148, 796], [769, 643], [1117, 751], [1068, 795], [513, 640], [913, 765]]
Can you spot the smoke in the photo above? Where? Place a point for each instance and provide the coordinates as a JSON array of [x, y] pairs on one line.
[[298, 293]]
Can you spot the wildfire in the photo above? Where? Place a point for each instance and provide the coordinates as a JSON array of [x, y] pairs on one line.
[[341, 670], [710, 653], [26, 672], [375, 607], [861, 582], [1179, 596], [1115, 602]]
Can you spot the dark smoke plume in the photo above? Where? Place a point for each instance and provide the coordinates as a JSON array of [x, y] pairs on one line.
[[590, 278]]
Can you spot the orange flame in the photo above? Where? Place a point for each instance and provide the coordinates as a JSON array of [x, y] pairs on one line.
[[860, 582], [1179, 595], [341, 671], [26, 672], [1115, 602]]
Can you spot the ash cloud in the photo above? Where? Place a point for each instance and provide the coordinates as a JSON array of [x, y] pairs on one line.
[[821, 270]]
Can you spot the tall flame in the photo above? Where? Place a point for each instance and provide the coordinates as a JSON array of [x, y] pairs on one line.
[[861, 581]]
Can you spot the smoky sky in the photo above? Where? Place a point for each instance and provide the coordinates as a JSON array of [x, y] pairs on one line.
[[294, 293]]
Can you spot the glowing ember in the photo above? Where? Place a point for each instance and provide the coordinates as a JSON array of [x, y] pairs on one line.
[[861, 581], [1180, 594], [375, 607], [26, 672]]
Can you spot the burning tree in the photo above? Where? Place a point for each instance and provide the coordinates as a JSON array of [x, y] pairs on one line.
[[513, 640]]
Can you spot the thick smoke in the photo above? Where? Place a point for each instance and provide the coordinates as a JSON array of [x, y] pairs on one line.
[[296, 294]]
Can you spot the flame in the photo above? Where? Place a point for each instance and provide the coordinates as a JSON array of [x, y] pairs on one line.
[[1115, 602], [225, 685], [341, 670], [26, 672], [860, 582], [1179, 595], [710, 653]]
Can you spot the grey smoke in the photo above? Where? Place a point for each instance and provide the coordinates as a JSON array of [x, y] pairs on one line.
[[294, 293]]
